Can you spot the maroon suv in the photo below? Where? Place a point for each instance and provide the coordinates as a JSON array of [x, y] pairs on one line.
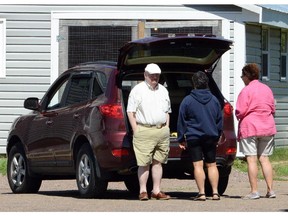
[[79, 129]]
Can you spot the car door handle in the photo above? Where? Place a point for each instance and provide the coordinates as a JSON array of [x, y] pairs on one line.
[[49, 122], [76, 115]]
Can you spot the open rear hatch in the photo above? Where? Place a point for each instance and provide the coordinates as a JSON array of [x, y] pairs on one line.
[[177, 56], [179, 53]]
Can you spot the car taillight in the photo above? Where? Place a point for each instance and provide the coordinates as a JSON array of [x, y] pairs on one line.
[[120, 152], [112, 110], [228, 109], [231, 150]]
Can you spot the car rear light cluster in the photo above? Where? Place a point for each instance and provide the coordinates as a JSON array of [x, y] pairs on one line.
[[120, 152], [112, 110], [228, 109], [231, 150]]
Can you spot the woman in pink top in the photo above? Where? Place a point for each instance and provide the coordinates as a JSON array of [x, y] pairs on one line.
[[255, 109]]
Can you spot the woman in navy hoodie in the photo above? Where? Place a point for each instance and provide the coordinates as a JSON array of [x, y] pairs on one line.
[[199, 128]]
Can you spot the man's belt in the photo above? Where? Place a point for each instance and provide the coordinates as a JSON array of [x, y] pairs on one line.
[[158, 126]]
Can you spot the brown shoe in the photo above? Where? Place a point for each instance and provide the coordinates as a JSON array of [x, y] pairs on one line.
[[143, 196], [160, 196]]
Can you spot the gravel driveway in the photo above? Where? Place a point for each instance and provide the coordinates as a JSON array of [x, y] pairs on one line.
[[62, 196]]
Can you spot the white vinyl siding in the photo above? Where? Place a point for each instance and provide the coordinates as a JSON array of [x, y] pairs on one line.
[[2, 48], [28, 46]]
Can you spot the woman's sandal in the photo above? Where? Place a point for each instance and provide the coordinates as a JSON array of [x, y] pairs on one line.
[[216, 196], [200, 197]]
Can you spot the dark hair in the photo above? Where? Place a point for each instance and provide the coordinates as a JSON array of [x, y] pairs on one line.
[[200, 80], [251, 71]]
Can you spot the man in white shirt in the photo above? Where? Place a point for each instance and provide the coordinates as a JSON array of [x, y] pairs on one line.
[[148, 112]]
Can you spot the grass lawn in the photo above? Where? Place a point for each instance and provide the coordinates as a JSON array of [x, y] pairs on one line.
[[279, 162]]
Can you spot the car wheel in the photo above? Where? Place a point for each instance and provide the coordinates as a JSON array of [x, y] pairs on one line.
[[89, 185], [132, 184], [17, 173], [222, 185]]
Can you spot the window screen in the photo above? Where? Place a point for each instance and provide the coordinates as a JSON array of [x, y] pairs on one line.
[[94, 43]]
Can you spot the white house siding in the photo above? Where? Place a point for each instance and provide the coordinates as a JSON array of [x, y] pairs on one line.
[[27, 62], [279, 88], [231, 71]]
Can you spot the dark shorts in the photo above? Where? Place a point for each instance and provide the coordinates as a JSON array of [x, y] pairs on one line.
[[203, 149]]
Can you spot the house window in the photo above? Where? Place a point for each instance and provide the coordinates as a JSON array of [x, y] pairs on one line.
[[2, 48], [283, 67], [265, 53]]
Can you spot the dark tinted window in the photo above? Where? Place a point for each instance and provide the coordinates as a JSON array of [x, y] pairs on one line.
[[78, 91], [172, 49], [97, 90], [102, 78], [265, 65], [283, 66]]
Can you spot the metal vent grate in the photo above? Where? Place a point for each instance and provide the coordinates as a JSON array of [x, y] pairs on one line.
[[94, 43]]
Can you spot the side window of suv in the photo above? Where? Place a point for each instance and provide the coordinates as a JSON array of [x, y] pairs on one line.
[[97, 90], [78, 90], [56, 96], [99, 84]]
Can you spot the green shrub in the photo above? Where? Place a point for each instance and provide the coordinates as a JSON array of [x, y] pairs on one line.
[[3, 164]]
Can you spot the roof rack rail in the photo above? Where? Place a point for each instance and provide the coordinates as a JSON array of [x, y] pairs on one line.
[[111, 63], [183, 34]]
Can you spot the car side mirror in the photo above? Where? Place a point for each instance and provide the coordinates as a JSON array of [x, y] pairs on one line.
[[31, 103]]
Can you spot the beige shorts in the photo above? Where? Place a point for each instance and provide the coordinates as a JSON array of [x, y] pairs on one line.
[[257, 145], [151, 144]]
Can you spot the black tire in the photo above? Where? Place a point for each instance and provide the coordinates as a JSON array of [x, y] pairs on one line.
[[17, 173], [89, 185], [222, 185], [132, 183]]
